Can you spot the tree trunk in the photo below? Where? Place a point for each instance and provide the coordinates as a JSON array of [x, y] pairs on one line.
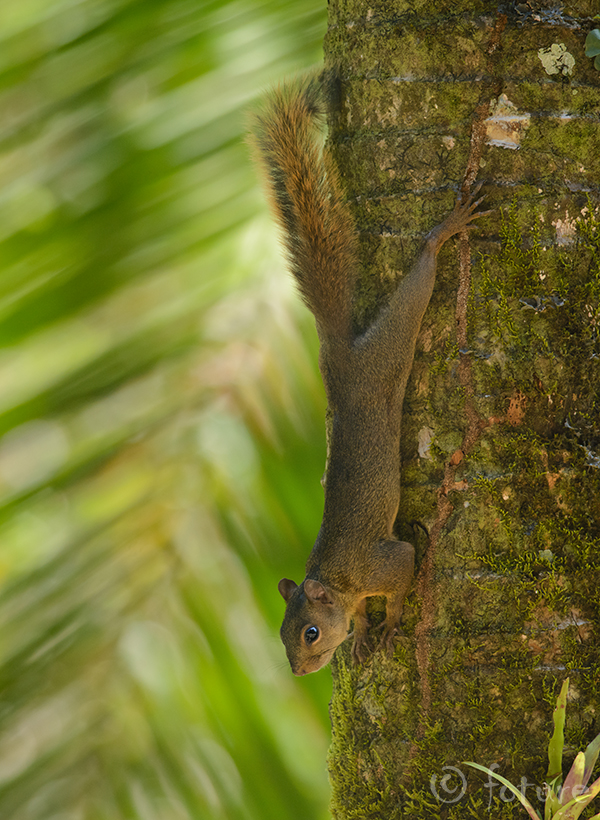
[[501, 443]]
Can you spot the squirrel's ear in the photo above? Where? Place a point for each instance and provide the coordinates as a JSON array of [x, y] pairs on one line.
[[286, 588], [317, 592]]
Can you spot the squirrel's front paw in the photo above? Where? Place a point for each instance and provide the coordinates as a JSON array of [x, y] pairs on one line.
[[361, 648], [387, 638]]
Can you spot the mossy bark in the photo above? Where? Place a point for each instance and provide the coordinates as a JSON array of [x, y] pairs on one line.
[[501, 439]]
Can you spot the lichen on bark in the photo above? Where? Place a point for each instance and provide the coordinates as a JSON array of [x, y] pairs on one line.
[[506, 601]]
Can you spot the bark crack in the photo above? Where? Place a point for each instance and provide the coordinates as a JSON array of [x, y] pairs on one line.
[[475, 423]]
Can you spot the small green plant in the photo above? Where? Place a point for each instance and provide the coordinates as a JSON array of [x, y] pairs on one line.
[[592, 46], [568, 802]]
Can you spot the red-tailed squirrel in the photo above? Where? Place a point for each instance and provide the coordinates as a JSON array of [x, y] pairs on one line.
[[355, 555]]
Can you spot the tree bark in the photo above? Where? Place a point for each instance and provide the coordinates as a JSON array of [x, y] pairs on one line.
[[501, 442]]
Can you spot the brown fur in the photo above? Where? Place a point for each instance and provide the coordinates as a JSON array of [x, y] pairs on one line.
[[356, 554]]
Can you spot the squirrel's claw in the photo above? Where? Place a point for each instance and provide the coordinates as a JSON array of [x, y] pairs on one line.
[[361, 648], [386, 643]]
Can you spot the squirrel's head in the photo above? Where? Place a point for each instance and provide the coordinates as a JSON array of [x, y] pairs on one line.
[[315, 624]]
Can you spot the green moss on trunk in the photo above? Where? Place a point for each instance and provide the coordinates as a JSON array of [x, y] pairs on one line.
[[510, 601]]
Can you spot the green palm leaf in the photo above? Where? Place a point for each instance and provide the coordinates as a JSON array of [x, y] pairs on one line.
[[157, 378]]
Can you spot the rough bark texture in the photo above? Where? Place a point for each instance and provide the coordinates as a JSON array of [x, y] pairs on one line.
[[501, 440]]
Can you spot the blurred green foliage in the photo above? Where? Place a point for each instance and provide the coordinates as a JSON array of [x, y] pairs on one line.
[[161, 419]]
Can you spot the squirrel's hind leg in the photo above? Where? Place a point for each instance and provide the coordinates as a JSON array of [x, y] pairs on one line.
[[389, 344]]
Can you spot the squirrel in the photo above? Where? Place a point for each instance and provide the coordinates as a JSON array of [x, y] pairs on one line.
[[355, 555]]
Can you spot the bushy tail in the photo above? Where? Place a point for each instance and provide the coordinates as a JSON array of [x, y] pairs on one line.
[[307, 200]]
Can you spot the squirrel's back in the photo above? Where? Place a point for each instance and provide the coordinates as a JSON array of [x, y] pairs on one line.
[[308, 203]]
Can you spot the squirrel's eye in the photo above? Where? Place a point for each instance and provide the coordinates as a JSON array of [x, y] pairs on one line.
[[311, 634]]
